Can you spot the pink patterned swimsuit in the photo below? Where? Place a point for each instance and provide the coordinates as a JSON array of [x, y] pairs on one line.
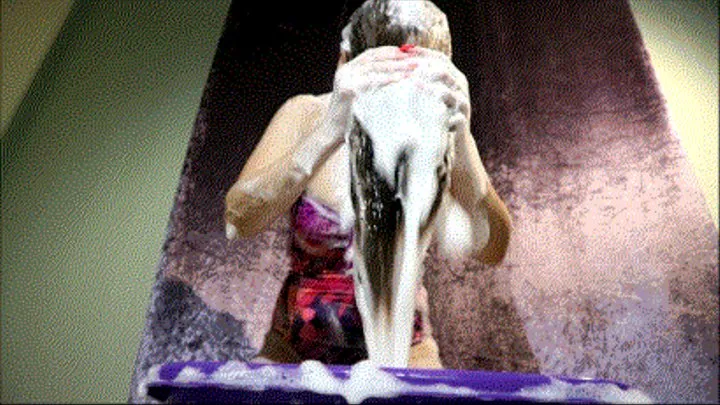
[[323, 320]]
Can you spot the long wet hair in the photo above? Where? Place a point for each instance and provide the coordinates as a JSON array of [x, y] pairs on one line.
[[394, 23], [385, 23]]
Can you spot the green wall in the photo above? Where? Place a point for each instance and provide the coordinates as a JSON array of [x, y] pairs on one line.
[[29, 28], [91, 162], [90, 166]]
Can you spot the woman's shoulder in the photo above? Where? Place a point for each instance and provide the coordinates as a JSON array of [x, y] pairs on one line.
[[299, 111], [308, 102]]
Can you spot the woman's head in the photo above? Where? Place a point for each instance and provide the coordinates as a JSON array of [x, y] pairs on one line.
[[394, 23]]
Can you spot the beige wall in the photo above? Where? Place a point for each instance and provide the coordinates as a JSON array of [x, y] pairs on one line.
[[682, 39]]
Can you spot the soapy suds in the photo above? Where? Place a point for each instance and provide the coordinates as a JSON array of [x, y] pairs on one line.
[[189, 374], [559, 390], [454, 232], [365, 380], [402, 142], [237, 373], [407, 13], [152, 375]]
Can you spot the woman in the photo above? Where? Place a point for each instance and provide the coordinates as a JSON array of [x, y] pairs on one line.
[[300, 165]]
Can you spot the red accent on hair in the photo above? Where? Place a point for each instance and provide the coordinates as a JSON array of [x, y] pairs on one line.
[[407, 47]]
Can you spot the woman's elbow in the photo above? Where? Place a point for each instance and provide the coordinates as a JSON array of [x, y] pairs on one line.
[[500, 226], [236, 226], [239, 220], [496, 249]]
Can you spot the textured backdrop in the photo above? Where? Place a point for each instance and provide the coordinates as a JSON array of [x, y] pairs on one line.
[[612, 269]]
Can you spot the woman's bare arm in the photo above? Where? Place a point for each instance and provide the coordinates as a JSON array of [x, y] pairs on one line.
[[275, 175], [471, 187], [500, 228], [302, 135]]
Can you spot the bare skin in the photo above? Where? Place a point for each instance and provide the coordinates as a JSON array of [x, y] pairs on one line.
[[303, 150]]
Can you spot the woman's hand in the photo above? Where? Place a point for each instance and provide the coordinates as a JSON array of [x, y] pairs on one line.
[[437, 74], [373, 68], [376, 67]]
